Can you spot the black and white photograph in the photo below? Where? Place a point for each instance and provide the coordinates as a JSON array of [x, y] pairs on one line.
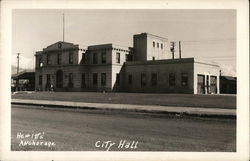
[[127, 79]]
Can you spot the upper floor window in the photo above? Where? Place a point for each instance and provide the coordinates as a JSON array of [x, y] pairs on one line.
[[184, 79], [153, 44], [154, 79], [59, 58], [162, 46], [103, 57], [117, 57], [40, 63], [172, 79], [48, 59], [94, 58], [70, 57], [157, 45]]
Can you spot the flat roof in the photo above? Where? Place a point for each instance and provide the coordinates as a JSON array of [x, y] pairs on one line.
[[109, 45], [149, 34], [170, 61]]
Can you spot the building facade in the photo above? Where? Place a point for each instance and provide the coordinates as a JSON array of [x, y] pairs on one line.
[[145, 67]]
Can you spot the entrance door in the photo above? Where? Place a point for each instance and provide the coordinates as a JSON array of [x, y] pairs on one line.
[[59, 79], [201, 84], [213, 84]]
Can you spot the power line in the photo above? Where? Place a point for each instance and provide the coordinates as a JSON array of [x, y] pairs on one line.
[[209, 40]]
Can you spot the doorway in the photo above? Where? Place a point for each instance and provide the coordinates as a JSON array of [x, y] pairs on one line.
[[201, 84], [59, 79]]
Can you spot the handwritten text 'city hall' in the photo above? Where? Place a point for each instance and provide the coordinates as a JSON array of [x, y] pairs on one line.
[[123, 144]]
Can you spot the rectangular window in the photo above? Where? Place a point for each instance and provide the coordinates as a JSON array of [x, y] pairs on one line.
[[117, 79], [83, 58], [162, 46], [48, 59], [40, 63], [157, 45], [172, 79], [154, 79], [48, 78], [70, 57], [59, 58], [153, 44], [129, 57], [143, 80], [103, 79], [95, 79], [40, 80], [117, 57], [94, 58], [103, 58], [130, 79], [184, 79], [213, 84], [70, 80], [83, 83]]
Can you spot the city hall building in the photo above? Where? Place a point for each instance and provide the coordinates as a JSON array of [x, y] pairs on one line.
[[148, 66]]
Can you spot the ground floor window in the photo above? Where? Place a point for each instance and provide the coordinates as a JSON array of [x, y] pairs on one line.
[[103, 79], [201, 84], [83, 83], [95, 79], [213, 84], [143, 79], [154, 79], [172, 79], [40, 80], [71, 80], [130, 79], [184, 79], [117, 79]]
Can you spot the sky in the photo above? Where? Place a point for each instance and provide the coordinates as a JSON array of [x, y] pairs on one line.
[[205, 34]]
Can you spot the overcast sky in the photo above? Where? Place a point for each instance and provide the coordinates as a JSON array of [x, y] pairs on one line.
[[206, 34]]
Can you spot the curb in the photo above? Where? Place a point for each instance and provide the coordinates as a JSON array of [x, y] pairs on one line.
[[180, 111]]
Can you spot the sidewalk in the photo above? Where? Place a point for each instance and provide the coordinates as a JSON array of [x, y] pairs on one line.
[[139, 108]]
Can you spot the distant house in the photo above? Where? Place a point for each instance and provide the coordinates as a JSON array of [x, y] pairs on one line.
[[228, 85], [146, 67], [26, 81]]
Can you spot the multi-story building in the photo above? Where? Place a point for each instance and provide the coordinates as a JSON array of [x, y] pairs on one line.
[[146, 67]]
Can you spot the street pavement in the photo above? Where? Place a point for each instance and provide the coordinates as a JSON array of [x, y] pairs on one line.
[[198, 111], [84, 130]]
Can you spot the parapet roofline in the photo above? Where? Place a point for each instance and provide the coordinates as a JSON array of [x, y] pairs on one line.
[[149, 34], [63, 42], [107, 45], [169, 61]]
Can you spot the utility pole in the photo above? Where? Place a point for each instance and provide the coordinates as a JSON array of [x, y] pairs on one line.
[[179, 49], [63, 27], [17, 81], [172, 48]]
